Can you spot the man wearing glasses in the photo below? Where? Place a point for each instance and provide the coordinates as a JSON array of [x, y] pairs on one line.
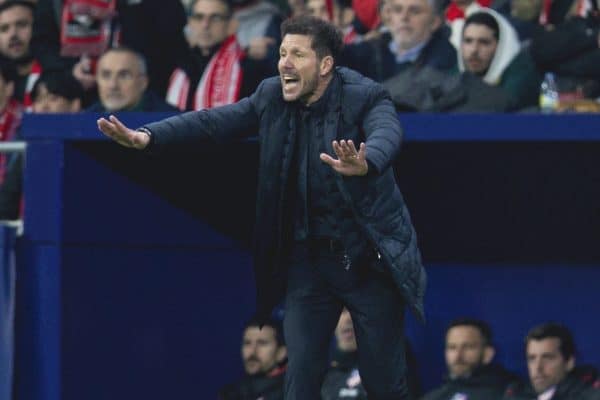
[[122, 80], [216, 70]]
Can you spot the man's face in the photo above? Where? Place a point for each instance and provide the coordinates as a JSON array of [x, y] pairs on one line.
[[318, 9], [121, 82], [478, 47], [260, 352], [208, 24], [300, 69], [546, 364], [344, 333], [411, 22], [15, 32], [46, 102], [465, 351]]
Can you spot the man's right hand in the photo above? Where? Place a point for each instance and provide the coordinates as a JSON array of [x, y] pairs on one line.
[[114, 129]]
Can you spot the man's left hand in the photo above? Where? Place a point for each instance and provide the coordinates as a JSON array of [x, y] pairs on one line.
[[350, 162]]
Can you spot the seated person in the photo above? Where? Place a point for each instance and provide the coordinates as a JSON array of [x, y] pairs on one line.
[[416, 39], [57, 92], [215, 71], [471, 374], [264, 355], [122, 81], [553, 374]]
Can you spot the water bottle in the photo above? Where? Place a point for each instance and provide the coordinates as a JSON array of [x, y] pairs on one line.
[[549, 94]]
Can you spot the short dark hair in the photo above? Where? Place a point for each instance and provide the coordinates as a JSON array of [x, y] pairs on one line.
[[484, 329], [12, 3], [227, 3], [486, 19], [8, 70], [60, 83], [326, 38], [273, 323], [553, 330]]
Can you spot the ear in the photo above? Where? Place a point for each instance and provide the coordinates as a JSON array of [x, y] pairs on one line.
[[75, 105], [9, 90], [144, 82], [488, 354], [571, 363], [281, 354], [326, 65], [436, 23]]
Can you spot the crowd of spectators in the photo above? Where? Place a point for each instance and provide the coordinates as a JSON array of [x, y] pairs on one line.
[[472, 372], [155, 55]]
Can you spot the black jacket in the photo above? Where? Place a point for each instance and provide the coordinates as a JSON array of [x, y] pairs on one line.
[[256, 387], [486, 383], [583, 383], [373, 58], [361, 111]]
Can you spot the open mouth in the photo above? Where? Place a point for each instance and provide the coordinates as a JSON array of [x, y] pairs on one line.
[[290, 81]]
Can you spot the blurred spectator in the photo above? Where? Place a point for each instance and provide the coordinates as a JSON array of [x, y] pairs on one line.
[[57, 92], [258, 29], [550, 356], [11, 112], [16, 22], [456, 13], [342, 380], [53, 92], [215, 71], [296, 8], [471, 374], [320, 9], [490, 50], [264, 355], [123, 83], [70, 34], [568, 44], [416, 39], [344, 18]]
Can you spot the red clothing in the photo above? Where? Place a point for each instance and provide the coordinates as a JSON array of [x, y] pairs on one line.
[[454, 12]]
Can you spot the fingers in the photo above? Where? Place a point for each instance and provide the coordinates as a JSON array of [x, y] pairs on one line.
[[346, 151], [327, 159]]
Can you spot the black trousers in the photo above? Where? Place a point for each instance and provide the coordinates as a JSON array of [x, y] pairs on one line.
[[319, 285]]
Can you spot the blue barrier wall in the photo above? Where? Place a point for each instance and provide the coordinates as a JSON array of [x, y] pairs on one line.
[[7, 309], [135, 275]]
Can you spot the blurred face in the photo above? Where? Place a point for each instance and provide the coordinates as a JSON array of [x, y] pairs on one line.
[[344, 333], [478, 47], [260, 352], [318, 9], [465, 351], [411, 22], [303, 76], [15, 32], [6, 92], [208, 24], [121, 81], [546, 364], [46, 102]]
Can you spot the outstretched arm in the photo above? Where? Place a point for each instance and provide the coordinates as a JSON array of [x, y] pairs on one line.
[[350, 162], [116, 130]]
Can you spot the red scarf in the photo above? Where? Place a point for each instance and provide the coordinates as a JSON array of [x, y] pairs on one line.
[[86, 27], [34, 75], [10, 120], [220, 83]]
